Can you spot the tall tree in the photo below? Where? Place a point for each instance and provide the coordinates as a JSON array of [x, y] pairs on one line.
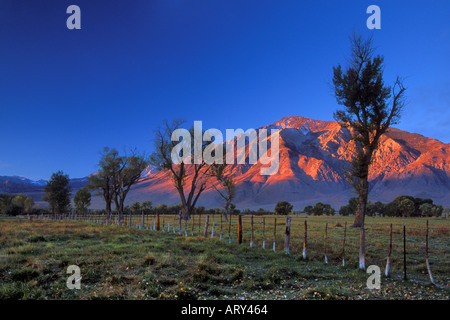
[[178, 171], [58, 193], [116, 176], [104, 179], [130, 171], [82, 200], [370, 108]]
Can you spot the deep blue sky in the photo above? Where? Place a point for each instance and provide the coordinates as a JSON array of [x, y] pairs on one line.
[[65, 94]]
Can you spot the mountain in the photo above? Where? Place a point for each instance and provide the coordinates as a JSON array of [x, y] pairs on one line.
[[32, 188], [314, 155], [15, 184], [313, 158]]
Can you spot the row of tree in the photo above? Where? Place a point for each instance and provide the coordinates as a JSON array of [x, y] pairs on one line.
[[402, 206], [15, 205]]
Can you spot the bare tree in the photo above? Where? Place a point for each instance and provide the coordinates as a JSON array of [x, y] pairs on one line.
[[103, 179], [179, 170], [226, 183]]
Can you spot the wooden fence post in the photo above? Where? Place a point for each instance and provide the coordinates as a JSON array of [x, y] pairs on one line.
[[179, 223], [213, 226], [287, 235], [426, 255], [229, 230], [274, 234], [362, 249], [251, 234], [305, 239], [205, 233], [404, 251], [221, 227], [343, 244], [185, 227], [157, 221], [388, 262], [239, 229], [264, 233], [193, 224], [325, 243], [129, 213]]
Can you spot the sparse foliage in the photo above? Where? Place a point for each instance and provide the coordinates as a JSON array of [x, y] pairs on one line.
[[189, 192], [226, 183]]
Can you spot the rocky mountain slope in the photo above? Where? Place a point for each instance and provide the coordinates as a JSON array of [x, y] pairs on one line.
[[313, 158]]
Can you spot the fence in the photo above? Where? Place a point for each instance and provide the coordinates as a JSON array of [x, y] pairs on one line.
[[412, 250]]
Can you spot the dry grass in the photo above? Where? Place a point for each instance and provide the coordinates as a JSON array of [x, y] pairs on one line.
[[126, 263]]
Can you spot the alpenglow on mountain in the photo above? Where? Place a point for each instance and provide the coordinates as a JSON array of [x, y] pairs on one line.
[[314, 156]]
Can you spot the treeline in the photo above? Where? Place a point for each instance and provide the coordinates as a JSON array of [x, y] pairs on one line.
[[13, 205], [147, 208], [402, 206]]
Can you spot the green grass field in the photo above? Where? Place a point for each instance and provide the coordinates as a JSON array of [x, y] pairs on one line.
[[127, 263]]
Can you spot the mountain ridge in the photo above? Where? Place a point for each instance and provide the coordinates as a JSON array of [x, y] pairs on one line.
[[314, 154]]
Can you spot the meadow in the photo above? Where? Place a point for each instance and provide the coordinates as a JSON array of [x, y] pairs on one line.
[[123, 262]]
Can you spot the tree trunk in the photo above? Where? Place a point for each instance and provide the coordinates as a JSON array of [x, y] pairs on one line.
[[227, 208], [363, 193], [108, 209], [362, 250]]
